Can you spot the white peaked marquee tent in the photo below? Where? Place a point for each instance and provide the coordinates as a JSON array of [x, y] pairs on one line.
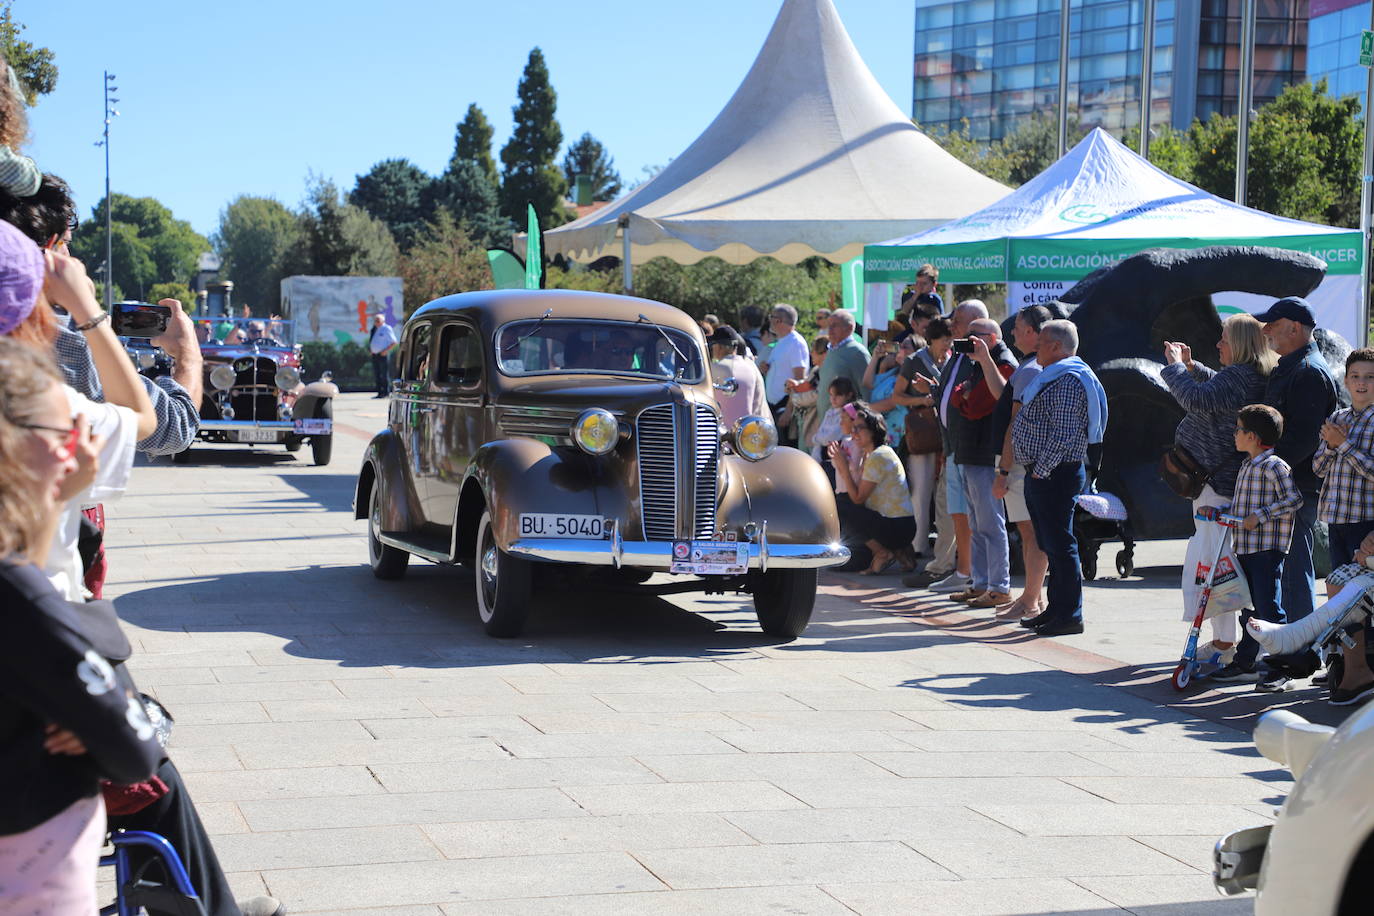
[[809, 157], [1098, 205]]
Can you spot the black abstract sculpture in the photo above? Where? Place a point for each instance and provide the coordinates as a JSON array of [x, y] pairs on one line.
[[1126, 312]]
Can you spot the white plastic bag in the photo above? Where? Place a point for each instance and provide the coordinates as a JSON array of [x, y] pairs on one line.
[[1230, 591]]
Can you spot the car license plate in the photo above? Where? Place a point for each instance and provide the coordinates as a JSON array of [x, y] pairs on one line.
[[257, 435], [314, 426], [556, 525], [710, 558]]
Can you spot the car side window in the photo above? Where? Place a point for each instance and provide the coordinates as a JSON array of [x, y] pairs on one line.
[[462, 356], [418, 352]]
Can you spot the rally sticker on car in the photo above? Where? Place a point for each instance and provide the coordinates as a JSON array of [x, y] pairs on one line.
[[556, 525], [313, 426], [710, 558]]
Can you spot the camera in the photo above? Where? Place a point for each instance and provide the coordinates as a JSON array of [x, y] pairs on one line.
[[140, 319], [962, 345]]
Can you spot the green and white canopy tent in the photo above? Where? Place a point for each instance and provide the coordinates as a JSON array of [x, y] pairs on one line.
[[1098, 205]]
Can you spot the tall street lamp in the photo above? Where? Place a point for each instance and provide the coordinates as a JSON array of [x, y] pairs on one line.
[[110, 113]]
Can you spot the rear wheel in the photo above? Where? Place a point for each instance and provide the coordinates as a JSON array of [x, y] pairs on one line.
[[293, 443], [322, 447], [783, 600], [387, 562], [503, 584]]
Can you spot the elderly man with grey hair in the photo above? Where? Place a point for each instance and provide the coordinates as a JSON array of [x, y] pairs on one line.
[[789, 358], [1063, 411], [846, 357]]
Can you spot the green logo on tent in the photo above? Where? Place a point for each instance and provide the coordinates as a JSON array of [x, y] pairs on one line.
[[1087, 214]]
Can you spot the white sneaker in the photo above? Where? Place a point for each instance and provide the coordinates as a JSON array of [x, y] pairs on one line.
[[954, 582], [1208, 651]]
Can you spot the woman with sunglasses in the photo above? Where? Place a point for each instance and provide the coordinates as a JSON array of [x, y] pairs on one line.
[[67, 719], [31, 281]]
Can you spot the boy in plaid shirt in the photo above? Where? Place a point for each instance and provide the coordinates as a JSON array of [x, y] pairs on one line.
[[1345, 461], [1266, 499]]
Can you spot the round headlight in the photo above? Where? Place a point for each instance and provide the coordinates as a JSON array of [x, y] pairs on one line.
[[755, 437], [595, 431], [222, 377], [287, 378], [146, 359]]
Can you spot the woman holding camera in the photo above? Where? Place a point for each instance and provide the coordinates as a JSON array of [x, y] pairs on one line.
[[878, 509]]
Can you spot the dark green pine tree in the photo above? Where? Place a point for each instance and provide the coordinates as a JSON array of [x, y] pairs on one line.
[[466, 194], [530, 175], [472, 143], [393, 191], [588, 157]]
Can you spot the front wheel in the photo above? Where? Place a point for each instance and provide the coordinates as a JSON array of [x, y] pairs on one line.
[[387, 562], [783, 600], [321, 449], [503, 584], [1182, 675]]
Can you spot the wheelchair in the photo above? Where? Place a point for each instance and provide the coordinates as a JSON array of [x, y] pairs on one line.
[[133, 890]]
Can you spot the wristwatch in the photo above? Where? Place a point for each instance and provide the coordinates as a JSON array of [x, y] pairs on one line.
[[1004, 472]]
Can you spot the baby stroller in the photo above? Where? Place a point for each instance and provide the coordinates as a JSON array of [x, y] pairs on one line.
[[1100, 517]]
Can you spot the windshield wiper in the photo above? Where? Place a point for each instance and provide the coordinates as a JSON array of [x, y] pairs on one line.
[[682, 357], [519, 340]]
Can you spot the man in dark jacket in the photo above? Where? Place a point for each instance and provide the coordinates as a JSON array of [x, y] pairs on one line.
[[1303, 390], [976, 447]]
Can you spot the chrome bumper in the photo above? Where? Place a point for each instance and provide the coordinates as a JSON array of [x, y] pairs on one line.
[[659, 554], [1237, 857]]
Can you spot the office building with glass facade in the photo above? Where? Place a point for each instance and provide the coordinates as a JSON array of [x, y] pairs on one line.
[[994, 63], [1333, 45]]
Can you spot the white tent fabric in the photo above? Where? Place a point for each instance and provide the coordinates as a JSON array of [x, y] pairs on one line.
[[809, 157], [1099, 204]]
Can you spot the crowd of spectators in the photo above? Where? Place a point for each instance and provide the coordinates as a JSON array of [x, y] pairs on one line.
[[83, 748], [948, 446]]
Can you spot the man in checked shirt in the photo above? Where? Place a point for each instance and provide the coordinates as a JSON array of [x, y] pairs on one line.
[[1063, 410], [1345, 461], [1267, 499]]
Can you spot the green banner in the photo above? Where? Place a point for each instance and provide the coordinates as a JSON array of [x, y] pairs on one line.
[[852, 286], [534, 253], [968, 262], [506, 270], [1059, 259]]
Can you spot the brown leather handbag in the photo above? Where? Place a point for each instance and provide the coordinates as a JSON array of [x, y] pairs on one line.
[[1182, 472], [923, 435]]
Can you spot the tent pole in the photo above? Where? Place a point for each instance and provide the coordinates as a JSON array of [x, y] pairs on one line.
[[1147, 72], [627, 268], [1247, 78], [1365, 192], [1063, 78]]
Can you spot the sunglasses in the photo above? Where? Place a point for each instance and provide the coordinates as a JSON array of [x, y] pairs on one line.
[[64, 439]]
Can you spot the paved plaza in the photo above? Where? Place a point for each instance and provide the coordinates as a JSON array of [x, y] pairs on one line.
[[358, 746]]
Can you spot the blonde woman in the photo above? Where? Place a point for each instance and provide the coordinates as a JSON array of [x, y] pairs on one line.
[[1211, 400]]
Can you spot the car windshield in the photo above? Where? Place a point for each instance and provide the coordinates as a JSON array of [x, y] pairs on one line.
[[535, 347], [225, 331]]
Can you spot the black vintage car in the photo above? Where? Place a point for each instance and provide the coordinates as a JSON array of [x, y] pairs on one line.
[[581, 430]]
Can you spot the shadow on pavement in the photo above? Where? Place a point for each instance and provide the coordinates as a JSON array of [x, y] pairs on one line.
[[428, 619]]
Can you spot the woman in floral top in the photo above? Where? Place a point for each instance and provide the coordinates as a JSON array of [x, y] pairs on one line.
[[878, 511]]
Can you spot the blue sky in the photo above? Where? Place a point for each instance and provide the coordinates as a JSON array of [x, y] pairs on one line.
[[246, 97]]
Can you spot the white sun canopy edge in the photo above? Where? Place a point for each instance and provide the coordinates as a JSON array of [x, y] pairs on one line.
[[809, 157], [1099, 204]]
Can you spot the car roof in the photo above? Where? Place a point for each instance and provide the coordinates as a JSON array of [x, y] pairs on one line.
[[490, 309]]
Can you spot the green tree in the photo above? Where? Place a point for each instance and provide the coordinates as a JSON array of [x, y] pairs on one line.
[[34, 66], [445, 259], [1029, 149], [255, 241], [529, 175], [339, 239], [589, 157], [149, 245], [712, 285], [465, 194], [394, 191], [472, 143], [178, 291]]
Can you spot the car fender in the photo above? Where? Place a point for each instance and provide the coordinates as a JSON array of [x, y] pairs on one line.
[[788, 490], [512, 476], [309, 403], [384, 460], [320, 389]]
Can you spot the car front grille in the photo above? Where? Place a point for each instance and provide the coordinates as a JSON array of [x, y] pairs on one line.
[[254, 395], [659, 476]]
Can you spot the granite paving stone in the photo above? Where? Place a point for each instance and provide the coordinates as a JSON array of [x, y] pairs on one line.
[[413, 808], [513, 774], [610, 833], [793, 863], [1047, 857], [681, 797], [979, 897], [316, 848], [736, 901]]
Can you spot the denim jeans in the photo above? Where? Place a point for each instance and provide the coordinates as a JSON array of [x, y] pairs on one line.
[[1263, 570], [1051, 506], [1299, 579], [1343, 539], [991, 567]]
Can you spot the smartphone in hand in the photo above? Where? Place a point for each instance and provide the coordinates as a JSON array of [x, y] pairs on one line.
[[140, 319]]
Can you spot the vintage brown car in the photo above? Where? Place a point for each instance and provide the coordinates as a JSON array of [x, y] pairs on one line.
[[577, 434]]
